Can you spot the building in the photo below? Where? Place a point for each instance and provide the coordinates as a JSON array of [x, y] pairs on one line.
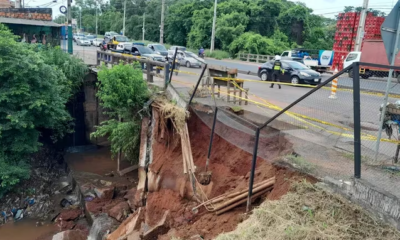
[[32, 24]]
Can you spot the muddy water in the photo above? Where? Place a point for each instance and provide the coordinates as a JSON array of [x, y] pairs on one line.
[[27, 230]]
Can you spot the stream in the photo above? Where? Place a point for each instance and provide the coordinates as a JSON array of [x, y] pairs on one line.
[[27, 230]]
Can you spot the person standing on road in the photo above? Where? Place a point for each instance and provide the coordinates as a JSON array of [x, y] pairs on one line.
[[277, 67]]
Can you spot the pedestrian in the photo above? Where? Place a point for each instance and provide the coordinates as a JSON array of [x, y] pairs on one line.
[[277, 67]]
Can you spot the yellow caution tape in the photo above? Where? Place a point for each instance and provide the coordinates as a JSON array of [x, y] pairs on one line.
[[299, 116]]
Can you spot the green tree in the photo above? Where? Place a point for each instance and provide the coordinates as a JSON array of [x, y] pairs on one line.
[[122, 92], [35, 86]]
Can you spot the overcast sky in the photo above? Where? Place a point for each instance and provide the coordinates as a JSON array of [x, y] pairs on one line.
[[328, 8]]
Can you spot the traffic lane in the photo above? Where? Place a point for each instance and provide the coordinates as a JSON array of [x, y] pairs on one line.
[[317, 105], [231, 64]]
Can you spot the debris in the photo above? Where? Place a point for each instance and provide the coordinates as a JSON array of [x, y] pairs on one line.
[[161, 228]]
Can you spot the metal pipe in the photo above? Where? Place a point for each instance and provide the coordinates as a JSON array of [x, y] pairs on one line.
[[305, 96], [197, 85], [173, 65], [357, 120], [211, 137], [361, 24], [253, 169], [385, 99], [213, 27]]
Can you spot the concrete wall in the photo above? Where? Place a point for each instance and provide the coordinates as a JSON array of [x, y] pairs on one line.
[[44, 14], [93, 111]]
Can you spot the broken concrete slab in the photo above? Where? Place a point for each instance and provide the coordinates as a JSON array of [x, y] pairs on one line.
[[70, 235], [120, 211], [130, 225], [161, 228], [105, 192]]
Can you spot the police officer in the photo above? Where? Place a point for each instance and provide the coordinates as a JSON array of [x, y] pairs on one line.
[[277, 67]]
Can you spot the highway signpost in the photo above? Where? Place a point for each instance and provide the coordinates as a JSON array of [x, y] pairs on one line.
[[390, 31]]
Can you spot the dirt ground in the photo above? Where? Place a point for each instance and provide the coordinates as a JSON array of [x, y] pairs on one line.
[[230, 168]]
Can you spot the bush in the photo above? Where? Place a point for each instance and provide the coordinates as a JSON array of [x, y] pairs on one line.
[[35, 86], [217, 54], [122, 92]]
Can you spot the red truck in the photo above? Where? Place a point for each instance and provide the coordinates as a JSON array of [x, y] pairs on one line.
[[373, 51]]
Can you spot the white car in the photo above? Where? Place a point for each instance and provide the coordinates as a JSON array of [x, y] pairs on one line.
[[97, 42], [83, 41], [187, 59]]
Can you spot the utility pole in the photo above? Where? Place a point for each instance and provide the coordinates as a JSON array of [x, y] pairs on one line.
[[144, 19], [162, 22], [96, 18], [80, 19], [18, 4], [360, 30], [69, 10], [213, 26], [123, 27]]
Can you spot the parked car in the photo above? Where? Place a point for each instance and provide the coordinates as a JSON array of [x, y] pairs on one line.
[[179, 48], [142, 51], [91, 38], [83, 41], [97, 42], [78, 36], [109, 35], [293, 72], [159, 49], [185, 58], [117, 43]]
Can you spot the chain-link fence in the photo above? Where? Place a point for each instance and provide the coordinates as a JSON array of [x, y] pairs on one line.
[[316, 134]]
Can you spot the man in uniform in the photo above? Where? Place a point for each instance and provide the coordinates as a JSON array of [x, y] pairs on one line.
[[277, 67]]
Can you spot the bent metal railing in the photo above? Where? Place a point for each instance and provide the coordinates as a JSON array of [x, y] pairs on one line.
[[150, 68]]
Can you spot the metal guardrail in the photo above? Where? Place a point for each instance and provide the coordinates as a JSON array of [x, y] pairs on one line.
[[258, 58], [149, 67]]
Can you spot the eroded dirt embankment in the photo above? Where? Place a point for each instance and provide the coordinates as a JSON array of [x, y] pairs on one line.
[[230, 168]]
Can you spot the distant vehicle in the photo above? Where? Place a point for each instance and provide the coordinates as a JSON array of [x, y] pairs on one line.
[[187, 59], [318, 60], [117, 43], [78, 36], [178, 47], [159, 49], [138, 43], [373, 51], [83, 41], [110, 34], [91, 38], [92, 35], [97, 42], [293, 72], [142, 51]]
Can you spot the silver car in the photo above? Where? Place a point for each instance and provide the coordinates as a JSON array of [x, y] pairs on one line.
[[187, 59], [83, 42]]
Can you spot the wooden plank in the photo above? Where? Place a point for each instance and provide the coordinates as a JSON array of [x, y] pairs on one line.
[[129, 169]]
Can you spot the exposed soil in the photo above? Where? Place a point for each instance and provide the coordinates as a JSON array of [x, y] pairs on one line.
[[230, 168]]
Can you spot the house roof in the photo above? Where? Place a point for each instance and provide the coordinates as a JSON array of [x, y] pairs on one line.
[[29, 22]]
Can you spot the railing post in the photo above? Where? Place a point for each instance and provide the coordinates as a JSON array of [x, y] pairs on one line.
[[166, 75], [253, 169], [257, 58], [248, 57], [149, 66], [357, 120]]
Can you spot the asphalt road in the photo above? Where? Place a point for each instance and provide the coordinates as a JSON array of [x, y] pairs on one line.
[[318, 105]]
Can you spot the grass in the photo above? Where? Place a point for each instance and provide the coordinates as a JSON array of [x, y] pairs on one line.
[[217, 54], [309, 212], [301, 163]]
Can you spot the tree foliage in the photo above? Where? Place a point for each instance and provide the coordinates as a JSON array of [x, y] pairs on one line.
[[189, 23], [122, 92], [36, 83]]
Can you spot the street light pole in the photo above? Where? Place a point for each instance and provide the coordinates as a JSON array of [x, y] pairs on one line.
[[360, 30], [69, 10], [144, 18], [96, 18], [162, 22], [80, 19], [123, 28], [213, 26]]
